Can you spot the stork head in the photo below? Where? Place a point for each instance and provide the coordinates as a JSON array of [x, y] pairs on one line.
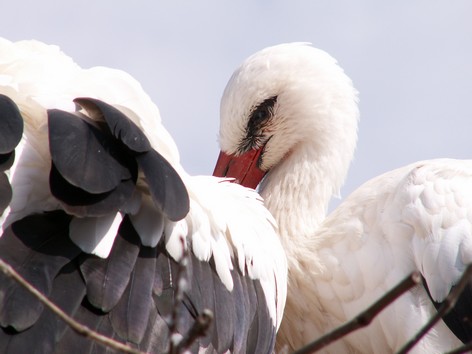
[[278, 100]]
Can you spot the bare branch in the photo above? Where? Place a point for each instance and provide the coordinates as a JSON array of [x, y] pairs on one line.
[[180, 285], [76, 326], [365, 317], [199, 329], [446, 306], [178, 343]]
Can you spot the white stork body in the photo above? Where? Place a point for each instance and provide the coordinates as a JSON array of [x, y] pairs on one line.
[[290, 112], [414, 218], [98, 211]]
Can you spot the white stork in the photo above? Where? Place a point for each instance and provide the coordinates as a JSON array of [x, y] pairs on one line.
[[290, 113], [95, 207]]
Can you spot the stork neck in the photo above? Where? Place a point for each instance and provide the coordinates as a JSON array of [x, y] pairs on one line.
[[297, 193], [298, 190]]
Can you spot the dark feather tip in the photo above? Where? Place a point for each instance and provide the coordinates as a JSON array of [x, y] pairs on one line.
[[11, 125], [459, 319], [6, 160], [5, 192], [121, 127], [79, 202], [84, 156], [108, 278], [167, 188]]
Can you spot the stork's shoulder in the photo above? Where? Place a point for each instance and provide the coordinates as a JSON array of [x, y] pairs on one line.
[[417, 217], [423, 210], [422, 207], [432, 208], [433, 187]]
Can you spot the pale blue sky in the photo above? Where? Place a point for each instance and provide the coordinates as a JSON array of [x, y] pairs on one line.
[[410, 60]]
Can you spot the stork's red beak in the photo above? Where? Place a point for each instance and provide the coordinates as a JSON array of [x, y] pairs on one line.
[[243, 168]]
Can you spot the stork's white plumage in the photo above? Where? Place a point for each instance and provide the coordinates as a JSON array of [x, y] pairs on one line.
[[96, 212], [290, 113]]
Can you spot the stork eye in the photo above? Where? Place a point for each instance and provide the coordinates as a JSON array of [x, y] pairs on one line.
[[262, 112], [259, 116]]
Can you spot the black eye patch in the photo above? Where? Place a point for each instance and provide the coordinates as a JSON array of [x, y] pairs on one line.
[[259, 116], [261, 113]]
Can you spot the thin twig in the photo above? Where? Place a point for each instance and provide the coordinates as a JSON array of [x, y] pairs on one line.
[[179, 288], [179, 343], [199, 329], [447, 305], [76, 326], [365, 317]]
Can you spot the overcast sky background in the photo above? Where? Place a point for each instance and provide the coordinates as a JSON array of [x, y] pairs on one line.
[[411, 61]]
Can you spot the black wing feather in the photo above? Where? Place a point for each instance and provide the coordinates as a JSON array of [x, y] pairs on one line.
[[167, 188], [11, 125], [40, 251], [79, 202], [130, 317], [157, 333], [121, 127], [107, 279], [262, 320], [74, 343], [224, 315], [99, 165], [201, 295], [129, 296], [5, 192], [6, 160], [11, 131], [81, 152], [242, 312], [67, 282], [459, 319]]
